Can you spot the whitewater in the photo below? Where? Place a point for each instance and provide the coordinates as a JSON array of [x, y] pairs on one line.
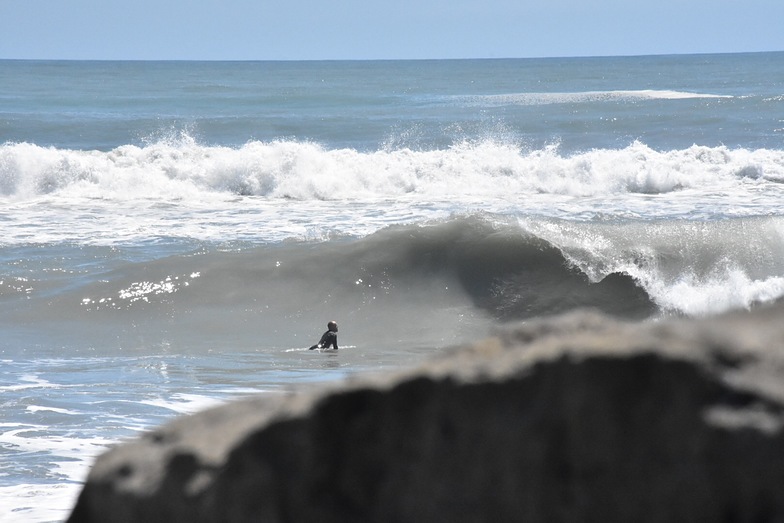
[[176, 234]]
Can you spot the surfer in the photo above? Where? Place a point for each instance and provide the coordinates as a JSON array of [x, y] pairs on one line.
[[329, 338]]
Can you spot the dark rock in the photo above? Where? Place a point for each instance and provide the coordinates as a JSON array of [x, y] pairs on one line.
[[578, 418]]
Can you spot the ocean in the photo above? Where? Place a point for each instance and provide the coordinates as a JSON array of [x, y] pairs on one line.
[[174, 235]]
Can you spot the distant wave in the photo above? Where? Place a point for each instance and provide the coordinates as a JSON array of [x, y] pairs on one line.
[[184, 169], [579, 97]]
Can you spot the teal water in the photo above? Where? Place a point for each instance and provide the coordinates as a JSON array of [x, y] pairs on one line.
[[667, 102]]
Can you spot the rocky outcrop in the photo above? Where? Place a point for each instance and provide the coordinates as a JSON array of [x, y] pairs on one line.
[[577, 418]]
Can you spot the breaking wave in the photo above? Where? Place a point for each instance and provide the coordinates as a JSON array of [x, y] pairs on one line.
[[182, 169], [438, 278]]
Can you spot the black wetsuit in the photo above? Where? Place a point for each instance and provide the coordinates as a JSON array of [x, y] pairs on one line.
[[329, 339]]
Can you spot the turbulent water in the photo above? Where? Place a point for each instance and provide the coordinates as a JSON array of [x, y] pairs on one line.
[[175, 234]]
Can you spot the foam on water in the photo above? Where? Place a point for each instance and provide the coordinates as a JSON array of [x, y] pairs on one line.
[[60, 413], [722, 291], [581, 97], [185, 403], [28, 502], [277, 190], [66, 459], [192, 173], [692, 268]]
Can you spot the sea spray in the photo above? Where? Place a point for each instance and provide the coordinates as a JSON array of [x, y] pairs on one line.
[[308, 171]]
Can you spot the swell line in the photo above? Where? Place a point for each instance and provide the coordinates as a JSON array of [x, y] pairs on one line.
[[545, 98]]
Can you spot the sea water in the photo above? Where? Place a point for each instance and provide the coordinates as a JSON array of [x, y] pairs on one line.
[[176, 234]]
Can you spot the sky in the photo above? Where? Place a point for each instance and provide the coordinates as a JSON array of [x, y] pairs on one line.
[[393, 29]]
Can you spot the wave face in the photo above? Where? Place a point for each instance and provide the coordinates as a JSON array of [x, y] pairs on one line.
[[422, 285], [427, 285]]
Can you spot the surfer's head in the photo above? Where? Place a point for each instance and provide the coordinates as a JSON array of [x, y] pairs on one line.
[[333, 326]]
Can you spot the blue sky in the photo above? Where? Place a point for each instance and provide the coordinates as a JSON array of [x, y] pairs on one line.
[[368, 29]]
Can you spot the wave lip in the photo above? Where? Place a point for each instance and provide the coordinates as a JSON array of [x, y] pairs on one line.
[[684, 267]]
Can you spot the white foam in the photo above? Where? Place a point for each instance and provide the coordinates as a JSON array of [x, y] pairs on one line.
[[189, 174], [28, 438], [37, 408], [734, 289], [31, 503], [30, 381], [184, 403], [279, 190], [695, 268], [581, 97], [51, 500]]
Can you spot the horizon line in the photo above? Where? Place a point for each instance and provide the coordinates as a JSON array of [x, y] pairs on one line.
[[548, 57]]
